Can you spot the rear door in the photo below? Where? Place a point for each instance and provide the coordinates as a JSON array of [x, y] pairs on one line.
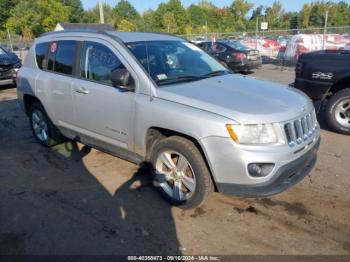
[[55, 81], [104, 113]]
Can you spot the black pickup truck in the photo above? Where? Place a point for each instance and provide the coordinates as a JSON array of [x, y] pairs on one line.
[[325, 77]]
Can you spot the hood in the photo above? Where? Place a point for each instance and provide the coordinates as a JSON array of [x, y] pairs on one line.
[[240, 98], [8, 59]]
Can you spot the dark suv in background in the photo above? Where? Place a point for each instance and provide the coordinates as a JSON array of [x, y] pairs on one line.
[[325, 77], [9, 65], [234, 55]]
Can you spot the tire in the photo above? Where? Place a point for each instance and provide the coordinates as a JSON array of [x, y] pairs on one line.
[[40, 122], [337, 112], [191, 173]]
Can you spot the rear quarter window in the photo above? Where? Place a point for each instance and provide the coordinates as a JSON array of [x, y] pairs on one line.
[[40, 53], [62, 56]]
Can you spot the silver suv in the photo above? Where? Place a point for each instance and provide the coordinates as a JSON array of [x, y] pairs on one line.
[[155, 98]]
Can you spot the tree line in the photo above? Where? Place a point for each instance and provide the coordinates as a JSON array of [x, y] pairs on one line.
[[30, 18]]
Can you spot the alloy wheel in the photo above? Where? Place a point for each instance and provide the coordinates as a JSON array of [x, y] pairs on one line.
[[175, 175], [39, 126], [342, 113]]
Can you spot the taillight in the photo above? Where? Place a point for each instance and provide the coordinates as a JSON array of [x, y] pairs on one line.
[[239, 56]]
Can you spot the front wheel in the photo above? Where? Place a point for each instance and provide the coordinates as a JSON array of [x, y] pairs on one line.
[[181, 174], [338, 112]]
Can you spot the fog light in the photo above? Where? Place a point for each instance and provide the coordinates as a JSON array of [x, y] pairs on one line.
[[260, 169]]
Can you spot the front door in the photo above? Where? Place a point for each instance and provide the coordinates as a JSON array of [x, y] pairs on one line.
[[104, 114]]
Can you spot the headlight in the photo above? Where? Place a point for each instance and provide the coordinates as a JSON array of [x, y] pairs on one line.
[[256, 134]]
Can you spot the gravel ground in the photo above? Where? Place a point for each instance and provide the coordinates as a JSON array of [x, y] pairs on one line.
[[73, 200]]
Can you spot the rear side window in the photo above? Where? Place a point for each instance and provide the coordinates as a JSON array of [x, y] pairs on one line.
[[61, 58], [218, 48], [40, 53]]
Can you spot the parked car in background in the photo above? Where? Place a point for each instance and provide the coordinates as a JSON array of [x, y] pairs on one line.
[[9, 65], [325, 77], [233, 54], [303, 43], [159, 99], [198, 40]]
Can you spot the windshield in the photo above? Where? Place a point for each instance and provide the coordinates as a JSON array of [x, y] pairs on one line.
[[236, 45], [2, 51], [169, 62]]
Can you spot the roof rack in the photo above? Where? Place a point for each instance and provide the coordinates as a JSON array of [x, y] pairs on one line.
[[88, 30]]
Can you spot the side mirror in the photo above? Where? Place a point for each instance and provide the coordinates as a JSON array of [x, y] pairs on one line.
[[121, 78]]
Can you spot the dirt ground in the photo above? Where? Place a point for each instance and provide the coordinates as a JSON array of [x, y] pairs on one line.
[[73, 200]]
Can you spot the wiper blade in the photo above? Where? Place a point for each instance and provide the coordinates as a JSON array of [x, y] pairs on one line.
[[217, 73], [179, 79]]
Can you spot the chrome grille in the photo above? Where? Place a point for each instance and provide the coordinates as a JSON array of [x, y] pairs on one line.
[[301, 129]]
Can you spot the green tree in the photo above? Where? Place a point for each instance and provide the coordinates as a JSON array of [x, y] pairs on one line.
[[6, 6], [240, 9], [258, 13], [169, 22], [147, 21], [76, 10], [293, 20], [342, 14], [317, 16], [31, 18], [179, 12], [339, 14], [197, 16], [125, 11], [93, 15], [126, 26], [214, 18], [274, 15], [304, 16]]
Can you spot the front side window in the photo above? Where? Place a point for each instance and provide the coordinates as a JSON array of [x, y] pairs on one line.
[[61, 56], [98, 63], [169, 62], [40, 53]]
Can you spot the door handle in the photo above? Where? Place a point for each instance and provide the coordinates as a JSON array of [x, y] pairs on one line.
[[82, 90]]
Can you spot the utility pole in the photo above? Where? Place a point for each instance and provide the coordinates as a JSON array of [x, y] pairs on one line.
[[206, 29], [9, 36], [325, 30], [256, 32], [102, 17]]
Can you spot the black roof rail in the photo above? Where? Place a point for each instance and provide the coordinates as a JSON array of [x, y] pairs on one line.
[[88, 30]]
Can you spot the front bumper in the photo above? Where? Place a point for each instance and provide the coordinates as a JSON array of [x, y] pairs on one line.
[[8, 77], [245, 65], [229, 162], [286, 177]]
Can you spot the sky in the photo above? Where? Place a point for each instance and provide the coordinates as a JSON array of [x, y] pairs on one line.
[[143, 5]]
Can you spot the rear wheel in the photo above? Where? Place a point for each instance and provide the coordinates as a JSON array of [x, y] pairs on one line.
[[338, 112], [43, 129], [181, 174]]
